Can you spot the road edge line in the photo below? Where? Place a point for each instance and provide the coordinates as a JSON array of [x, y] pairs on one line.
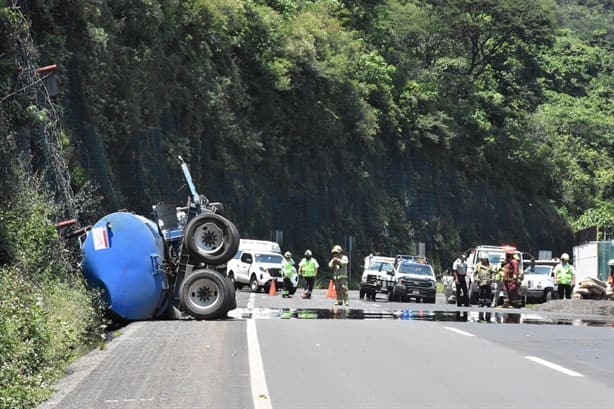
[[260, 391]]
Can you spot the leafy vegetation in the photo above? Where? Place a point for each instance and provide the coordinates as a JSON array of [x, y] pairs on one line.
[[449, 122]]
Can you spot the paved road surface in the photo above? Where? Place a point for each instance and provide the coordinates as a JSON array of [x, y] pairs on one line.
[[409, 358]]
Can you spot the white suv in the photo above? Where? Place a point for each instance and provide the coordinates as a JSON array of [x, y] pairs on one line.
[[257, 269]]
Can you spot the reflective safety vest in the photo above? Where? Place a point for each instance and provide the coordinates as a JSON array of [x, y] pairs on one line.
[[339, 267], [483, 274], [287, 269], [308, 268], [564, 274]]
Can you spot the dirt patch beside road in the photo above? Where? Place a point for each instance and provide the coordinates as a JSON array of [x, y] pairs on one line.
[[580, 307]]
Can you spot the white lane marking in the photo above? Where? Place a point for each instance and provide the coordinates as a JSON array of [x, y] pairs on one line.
[[260, 392], [553, 366], [376, 305], [252, 300], [460, 332]]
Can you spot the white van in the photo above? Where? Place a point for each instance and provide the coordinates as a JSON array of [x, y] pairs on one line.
[[257, 263]]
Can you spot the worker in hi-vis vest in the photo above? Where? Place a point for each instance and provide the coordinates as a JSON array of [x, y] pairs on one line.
[[287, 272], [339, 266], [564, 277], [308, 269]]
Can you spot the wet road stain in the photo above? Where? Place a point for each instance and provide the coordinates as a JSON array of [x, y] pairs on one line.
[[410, 315]]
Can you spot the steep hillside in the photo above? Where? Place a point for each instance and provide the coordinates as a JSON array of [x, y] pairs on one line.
[[447, 122]]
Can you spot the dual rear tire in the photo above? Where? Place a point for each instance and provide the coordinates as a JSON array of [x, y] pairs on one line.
[[205, 295], [211, 238]]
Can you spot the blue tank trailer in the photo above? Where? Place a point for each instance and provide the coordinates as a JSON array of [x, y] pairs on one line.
[[165, 267]]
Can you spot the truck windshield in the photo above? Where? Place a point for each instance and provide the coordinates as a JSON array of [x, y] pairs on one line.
[[268, 258], [418, 269], [541, 270]]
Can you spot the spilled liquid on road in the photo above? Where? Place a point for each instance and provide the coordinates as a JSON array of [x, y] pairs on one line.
[[410, 315]]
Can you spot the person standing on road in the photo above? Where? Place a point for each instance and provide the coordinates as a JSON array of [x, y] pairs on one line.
[[339, 266], [498, 280], [308, 269], [564, 277], [459, 267], [483, 275], [511, 283], [287, 272]]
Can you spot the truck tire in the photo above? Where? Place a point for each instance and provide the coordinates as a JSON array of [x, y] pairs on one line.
[[233, 280], [361, 293], [548, 295], [231, 293], [253, 285], [205, 295], [397, 293], [390, 294], [211, 238], [373, 295]]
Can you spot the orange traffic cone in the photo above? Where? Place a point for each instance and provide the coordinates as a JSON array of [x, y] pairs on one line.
[[273, 289], [332, 293]]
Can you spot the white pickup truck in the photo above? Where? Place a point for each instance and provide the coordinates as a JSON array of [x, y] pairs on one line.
[[257, 264], [377, 269]]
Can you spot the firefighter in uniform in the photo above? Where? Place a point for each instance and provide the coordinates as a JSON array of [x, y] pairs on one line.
[[339, 266], [484, 274], [564, 277], [287, 272], [308, 269], [498, 280], [511, 283]]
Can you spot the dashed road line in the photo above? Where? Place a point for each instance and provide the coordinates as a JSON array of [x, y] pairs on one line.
[[458, 331], [553, 366], [260, 391], [252, 301]]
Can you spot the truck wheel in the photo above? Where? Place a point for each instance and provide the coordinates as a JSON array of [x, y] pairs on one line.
[[390, 294], [361, 294], [548, 295], [231, 277], [253, 285], [211, 238], [231, 293], [397, 294], [204, 294], [373, 295]]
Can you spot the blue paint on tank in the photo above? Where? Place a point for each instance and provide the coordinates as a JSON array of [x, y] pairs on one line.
[[122, 255]]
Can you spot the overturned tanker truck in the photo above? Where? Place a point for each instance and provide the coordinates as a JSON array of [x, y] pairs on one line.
[[165, 267]]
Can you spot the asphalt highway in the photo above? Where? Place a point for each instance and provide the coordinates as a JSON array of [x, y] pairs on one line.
[[293, 353]]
